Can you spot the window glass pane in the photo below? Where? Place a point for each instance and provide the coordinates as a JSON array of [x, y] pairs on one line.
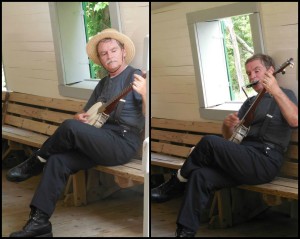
[[238, 48]]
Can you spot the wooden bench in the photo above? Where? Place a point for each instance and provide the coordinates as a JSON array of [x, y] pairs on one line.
[[172, 140], [28, 121]]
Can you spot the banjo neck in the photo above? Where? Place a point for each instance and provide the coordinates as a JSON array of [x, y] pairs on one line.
[[109, 106]]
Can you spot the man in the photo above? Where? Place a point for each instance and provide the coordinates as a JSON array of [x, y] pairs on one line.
[[217, 163], [77, 145]]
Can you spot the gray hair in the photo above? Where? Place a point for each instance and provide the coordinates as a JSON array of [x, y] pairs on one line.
[[266, 60]]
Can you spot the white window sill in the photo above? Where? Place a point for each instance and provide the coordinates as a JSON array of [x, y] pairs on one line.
[[234, 106], [80, 90], [86, 84], [219, 112]]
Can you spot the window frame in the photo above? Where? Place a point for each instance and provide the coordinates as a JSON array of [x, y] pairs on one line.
[[221, 111], [83, 89]]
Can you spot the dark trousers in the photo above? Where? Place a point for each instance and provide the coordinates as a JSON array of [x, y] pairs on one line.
[[77, 146], [217, 163]]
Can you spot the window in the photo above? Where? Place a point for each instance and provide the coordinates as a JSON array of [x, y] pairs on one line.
[[67, 20], [96, 19], [4, 88], [219, 88]]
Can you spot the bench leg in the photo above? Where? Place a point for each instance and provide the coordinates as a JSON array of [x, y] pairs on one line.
[[246, 205], [6, 153], [75, 190], [16, 146], [125, 182], [12, 146], [294, 209], [235, 206], [223, 202], [79, 188], [100, 185]]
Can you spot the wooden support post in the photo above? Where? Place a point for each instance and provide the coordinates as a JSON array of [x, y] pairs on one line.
[[224, 217], [294, 209], [79, 188]]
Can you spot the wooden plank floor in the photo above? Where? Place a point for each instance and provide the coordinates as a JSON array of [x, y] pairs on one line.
[[121, 214], [270, 224]]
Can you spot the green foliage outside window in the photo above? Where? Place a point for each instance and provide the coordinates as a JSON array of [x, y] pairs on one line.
[[96, 16], [242, 31]]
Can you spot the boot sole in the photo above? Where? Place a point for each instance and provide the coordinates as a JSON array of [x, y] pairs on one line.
[[46, 235], [16, 180]]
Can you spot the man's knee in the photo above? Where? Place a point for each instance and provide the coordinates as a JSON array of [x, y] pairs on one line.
[[70, 123], [210, 139]]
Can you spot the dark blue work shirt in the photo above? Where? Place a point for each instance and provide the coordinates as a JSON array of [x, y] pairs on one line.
[[278, 130], [131, 113]]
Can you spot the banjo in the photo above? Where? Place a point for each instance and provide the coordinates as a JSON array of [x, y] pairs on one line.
[[242, 129], [99, 112]]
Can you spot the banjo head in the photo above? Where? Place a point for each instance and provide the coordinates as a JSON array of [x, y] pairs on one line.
[[93, 112]]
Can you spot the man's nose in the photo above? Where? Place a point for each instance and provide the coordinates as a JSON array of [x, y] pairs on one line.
[[252, 75], [109, 55]]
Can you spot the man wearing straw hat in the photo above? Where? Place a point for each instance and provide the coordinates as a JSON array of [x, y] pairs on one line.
[[77, 145]]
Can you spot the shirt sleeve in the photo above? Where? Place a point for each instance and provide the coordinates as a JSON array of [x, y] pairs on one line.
[[137, 96]]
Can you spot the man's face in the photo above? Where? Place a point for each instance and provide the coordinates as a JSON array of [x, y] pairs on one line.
[[111, 55], [256, 71]]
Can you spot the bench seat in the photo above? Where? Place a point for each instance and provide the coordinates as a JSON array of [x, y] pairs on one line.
[[132, 170], [166, 161], [23, 136], [282, 187]]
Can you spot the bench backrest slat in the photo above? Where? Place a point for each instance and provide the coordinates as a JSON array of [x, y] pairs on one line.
[[292, 152], [170, 136], [177, 137], [39, 114], [170, 149], [31, 125], [294, 137], [3, 96], [193, 126], [60, 104], [289, 169]]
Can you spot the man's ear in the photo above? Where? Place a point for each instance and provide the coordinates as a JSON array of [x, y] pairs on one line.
[[124, 53], [271, 69]]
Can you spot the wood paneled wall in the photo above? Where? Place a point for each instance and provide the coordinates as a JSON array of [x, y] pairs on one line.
[[27, 42], [173, 83]]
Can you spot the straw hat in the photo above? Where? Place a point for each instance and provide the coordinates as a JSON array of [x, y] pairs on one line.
[[114, 34]]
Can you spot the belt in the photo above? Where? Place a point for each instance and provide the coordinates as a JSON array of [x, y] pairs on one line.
[[267, 144], [131, 129], [274, 146], [122, 127]]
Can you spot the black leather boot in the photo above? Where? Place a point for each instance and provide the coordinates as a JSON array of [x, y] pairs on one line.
[[156, 180], [168, 190], [38, 225], [182, 231], [31, 167]]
